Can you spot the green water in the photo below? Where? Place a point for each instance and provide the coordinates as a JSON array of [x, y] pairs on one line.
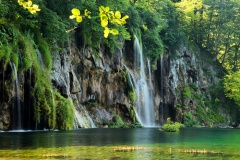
[[122, 144]]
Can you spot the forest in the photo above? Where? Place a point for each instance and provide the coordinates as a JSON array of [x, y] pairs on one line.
[[210, 26]]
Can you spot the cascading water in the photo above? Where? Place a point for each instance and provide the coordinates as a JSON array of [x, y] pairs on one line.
[[83, 120], [144, 107], [35, 108], [162, 89], [40, 59], [17, 107]]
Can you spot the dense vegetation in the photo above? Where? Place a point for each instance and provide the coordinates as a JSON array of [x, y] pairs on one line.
[[162, 24]]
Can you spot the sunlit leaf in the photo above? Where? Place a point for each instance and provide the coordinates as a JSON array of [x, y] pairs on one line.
[[106, 32], [117, 14], [75, 12], [72, 17], [87, 13], [79, 19], [114, 31], [104, 22]]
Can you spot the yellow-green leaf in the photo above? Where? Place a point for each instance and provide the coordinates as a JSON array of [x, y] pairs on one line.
[[117, 14], [75, 12], [72, 17], [104, 23], [125, 17], [114, 31], [106, 32], [79, 19], [87, 13]]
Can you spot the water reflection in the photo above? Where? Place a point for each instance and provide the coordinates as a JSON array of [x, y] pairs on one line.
[[143, 142]]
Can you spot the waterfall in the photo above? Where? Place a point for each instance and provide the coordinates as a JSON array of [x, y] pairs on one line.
[[16, 111], [40, 59], [162, 89], [131, 80], [150, 83], [82, 119], [91, 121], [29, 98], [144, 106], [53, 109], [35, 108]]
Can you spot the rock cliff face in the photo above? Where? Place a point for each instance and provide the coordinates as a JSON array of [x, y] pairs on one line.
[[184, 89], [97, 86]]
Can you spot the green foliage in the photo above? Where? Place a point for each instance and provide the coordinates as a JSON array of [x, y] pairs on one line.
[[187, 92], [232, 86], [189, 120], [197, 96], [132, 114], [135, 125], [193, 86], [45, 51], [4, 8], [171, 126], [117, 122], [53, 27], [122, 5], [14, 59], [64, 112], [202, 115], [25, 43], [152, 45], [5, 52], [132, 95], [174, 34]]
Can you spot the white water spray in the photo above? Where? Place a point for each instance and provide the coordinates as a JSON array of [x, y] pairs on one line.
[[144, 106]]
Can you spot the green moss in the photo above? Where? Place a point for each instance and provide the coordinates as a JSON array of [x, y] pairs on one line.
[[45, 51], [64, 112], [118, 120], [132, 95], [14, 59], [193, 86], [197, 96], [28, 49], [189, 121], [132, 114], [187, 92], [5, 53]]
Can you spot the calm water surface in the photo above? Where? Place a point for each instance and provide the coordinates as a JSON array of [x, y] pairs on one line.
[[141, 143]]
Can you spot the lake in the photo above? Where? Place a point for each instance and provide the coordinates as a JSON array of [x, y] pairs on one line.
[[122, 144]]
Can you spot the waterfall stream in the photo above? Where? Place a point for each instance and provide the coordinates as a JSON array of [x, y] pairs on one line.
[[82, 119], [17, 106], [144, 106], [162, 89], [40, 59]]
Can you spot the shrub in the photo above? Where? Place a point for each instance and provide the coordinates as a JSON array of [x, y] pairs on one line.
[[171, 126], [135, 125]]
